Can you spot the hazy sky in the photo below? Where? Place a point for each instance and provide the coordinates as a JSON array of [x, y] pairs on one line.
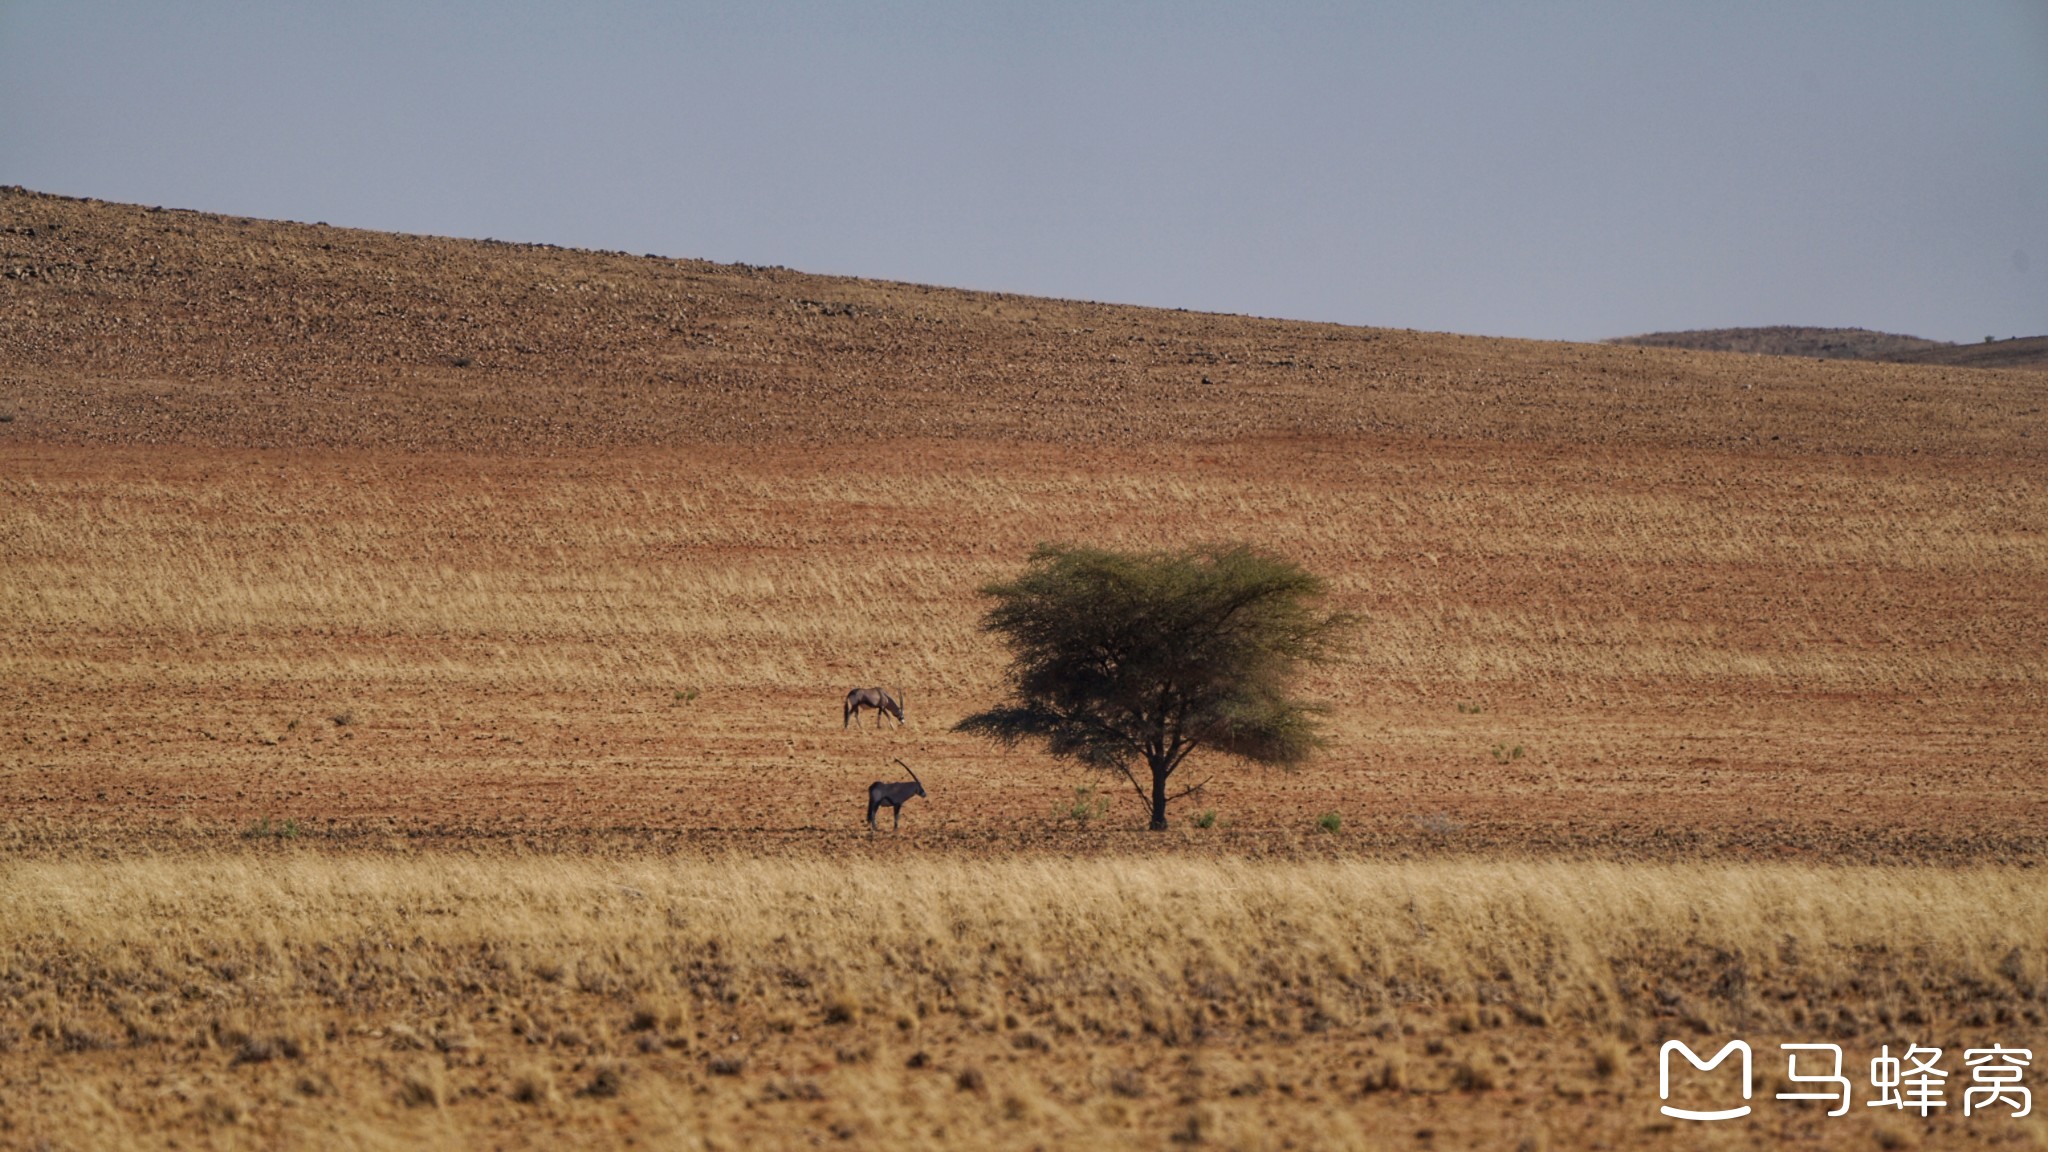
[[1547, 169]]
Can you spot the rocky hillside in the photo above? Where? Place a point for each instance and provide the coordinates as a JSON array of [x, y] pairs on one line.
[[122, 324]]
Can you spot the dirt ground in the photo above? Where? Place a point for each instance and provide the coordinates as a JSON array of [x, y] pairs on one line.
[[1633, 653]]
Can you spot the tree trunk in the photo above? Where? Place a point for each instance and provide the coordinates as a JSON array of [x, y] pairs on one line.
[[1159, 774]]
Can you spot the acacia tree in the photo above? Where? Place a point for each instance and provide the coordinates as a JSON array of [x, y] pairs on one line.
[[1118, 658]]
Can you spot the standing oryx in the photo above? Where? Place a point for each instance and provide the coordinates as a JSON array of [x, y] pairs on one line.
[[893, 795], [876, 698]]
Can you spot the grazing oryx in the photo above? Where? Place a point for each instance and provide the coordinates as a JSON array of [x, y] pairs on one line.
[[893, 795], [876, 698]]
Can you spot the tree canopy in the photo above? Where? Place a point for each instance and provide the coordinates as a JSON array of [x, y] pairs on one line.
[[1119, 658]]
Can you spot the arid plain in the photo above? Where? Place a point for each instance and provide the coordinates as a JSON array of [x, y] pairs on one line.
[[419, 678]]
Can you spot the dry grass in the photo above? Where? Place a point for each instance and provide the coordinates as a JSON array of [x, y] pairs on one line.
[[732, 573], [1808, 655], [252, 999]]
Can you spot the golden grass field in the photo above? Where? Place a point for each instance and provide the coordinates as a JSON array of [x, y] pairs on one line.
[[418, 659], [1016, 1001]]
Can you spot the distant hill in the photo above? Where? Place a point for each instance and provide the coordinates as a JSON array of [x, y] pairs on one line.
[[1785, 340], [1850, 344], [2020, 352]]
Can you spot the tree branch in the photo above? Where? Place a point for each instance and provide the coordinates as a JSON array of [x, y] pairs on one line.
[[1142, 797]]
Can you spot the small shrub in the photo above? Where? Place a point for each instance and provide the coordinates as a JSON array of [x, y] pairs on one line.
[[1473, 1076], [841, 1008], [1207, 819], [793, 1088], [660, 1014], [1437, 824], [1086, 806], [343, 719], [218, 1109], [1390, 1076], [1608, 1055], [79, 1038], [263, 829], [610, 1078], [533, 1085], [262, 1049], [1197, 1127], [1330, 822], [423, 1087]]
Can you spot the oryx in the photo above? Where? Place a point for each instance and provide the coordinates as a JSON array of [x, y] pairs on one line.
[[893, 795], [878, 699]]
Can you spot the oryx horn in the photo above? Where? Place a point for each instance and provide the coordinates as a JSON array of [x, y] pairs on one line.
[[912, 771]]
